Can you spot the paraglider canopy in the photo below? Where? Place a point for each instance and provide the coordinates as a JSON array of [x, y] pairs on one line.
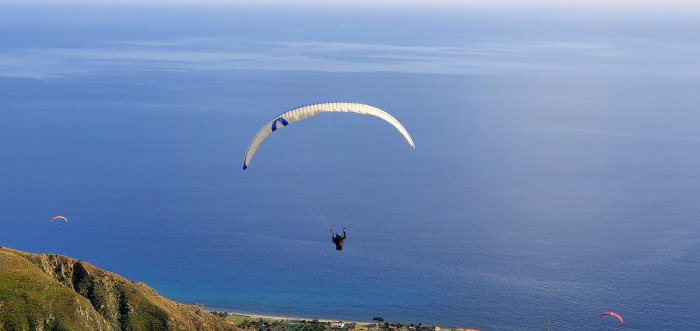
[[301, 113], [616, 315], [59, 218]]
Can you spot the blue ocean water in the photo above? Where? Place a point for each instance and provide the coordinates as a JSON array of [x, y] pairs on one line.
[[556, 172]]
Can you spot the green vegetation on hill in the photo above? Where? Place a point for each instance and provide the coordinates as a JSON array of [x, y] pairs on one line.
[[51, 292]]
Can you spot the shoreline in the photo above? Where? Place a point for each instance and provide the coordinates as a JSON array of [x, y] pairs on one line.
[[322, 320], [281, 317]]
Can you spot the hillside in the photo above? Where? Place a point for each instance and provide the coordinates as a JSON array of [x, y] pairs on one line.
[[52, 292]]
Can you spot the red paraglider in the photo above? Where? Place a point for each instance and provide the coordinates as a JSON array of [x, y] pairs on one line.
[[616, 315]]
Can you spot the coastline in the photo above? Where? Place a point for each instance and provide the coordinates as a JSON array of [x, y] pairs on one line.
[[363, 325], [280, 317]]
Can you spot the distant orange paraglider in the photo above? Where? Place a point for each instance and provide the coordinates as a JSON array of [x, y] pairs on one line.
[[616, 315]]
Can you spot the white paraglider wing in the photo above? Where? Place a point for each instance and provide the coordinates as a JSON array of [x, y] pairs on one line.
[[305, 112], [59, 218]]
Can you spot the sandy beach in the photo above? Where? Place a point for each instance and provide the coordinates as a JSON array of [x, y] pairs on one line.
[[283, 318]]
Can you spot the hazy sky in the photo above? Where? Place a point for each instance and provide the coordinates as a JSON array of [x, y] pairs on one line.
[[593, 8], [507, 3]]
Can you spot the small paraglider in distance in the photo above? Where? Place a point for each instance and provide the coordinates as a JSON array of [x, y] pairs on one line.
[[302, 113], [57, 218], [338, 239], [616, 315]]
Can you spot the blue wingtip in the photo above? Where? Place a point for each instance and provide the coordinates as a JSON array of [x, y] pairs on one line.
[[244, 166]]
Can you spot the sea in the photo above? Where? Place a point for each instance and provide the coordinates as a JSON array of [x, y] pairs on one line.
[[556, 173]]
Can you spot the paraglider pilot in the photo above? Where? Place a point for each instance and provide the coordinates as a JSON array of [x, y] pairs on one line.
[[338, 239]]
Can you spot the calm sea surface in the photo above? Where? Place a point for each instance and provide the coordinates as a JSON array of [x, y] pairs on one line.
[[556, 172]]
